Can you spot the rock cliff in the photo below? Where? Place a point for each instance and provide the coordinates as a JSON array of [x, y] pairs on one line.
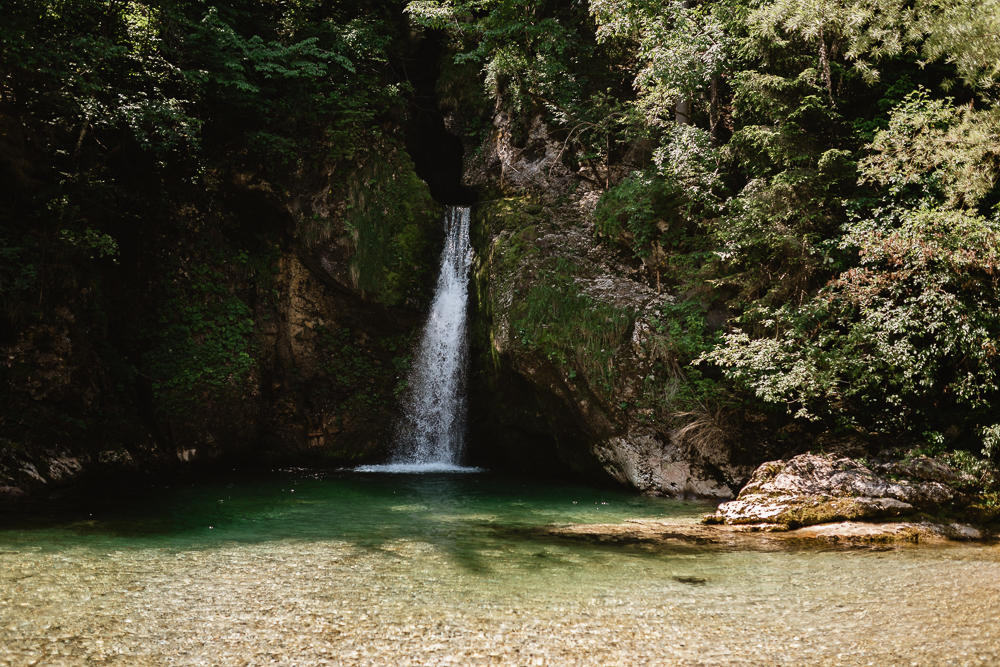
[[574, 368], [266, 323]]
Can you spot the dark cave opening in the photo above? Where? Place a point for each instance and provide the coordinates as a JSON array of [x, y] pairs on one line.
[[436, 153]]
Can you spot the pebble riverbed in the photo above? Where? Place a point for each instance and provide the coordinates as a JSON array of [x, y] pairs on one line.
[[497, 600]]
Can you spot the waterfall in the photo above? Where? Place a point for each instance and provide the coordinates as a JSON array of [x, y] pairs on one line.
[[431, 434]]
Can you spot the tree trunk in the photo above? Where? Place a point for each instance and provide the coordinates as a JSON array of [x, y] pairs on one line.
[[824, 65], [682, 111], [714, 120]]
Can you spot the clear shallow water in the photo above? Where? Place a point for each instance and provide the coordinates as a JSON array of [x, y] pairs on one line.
[[355, 568]]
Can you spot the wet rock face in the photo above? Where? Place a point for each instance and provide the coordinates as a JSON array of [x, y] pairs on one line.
[[565, 342], [336, 363], [84, 393], [810, 489]]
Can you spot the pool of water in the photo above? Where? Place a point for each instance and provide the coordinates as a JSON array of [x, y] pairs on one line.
[[300, 567]]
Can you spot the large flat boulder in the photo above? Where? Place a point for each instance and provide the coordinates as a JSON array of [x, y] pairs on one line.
[[794, 511], [815, 489]]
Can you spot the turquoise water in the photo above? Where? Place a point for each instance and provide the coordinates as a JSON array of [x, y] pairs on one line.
[[301, 567], [368, 509]]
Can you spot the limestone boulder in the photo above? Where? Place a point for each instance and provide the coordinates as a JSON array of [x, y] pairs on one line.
[[814, 489]]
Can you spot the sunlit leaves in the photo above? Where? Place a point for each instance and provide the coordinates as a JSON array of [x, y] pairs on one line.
[[907, 327], [864, 31], [439, 15], [967, 34], [951, 152], [914, 326], [77, 65], [653, 208], [528, 50], [678, 49], [963, 32], [687, 157]]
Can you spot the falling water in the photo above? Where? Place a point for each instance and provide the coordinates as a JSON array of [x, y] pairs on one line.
[[432, 431]]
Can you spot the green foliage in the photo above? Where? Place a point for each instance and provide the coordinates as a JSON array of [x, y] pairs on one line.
[[949, 154], [790, 147], [393, 222], [636, 207], [965, 34], [461, 96], [958, 31], [902, 337], [678, 48], [161, 74], [540, 57], [94, 65], [982, 470], [658, 207], [116, 114], [684, 332], [18, 279], [778, 227], [322, 74], [991, 440], [863, 31], [204, 345], [353, 368], [673, 387], [526, 49], [570, 328], [785, 123], [92, 242], [893, 343]]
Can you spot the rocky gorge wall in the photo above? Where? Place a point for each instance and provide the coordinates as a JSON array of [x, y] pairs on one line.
[[267, 321], [267, 324], [296, 345], [574, 369]]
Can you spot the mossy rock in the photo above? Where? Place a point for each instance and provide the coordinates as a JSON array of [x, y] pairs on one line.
[[981, 514], [510, 214]]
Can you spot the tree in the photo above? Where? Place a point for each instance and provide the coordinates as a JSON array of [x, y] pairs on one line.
[[949, 153], [961, 32], [527, 49], [861, 31], [679, 49], [907, 336], [964, 33]]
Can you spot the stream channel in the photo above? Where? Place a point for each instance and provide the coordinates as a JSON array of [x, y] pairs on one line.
[[305, 567]]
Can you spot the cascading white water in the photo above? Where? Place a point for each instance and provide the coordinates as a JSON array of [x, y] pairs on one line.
[[432, 431]]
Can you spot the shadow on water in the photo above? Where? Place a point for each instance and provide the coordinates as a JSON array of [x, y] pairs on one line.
[[459, 514], [474, 520]]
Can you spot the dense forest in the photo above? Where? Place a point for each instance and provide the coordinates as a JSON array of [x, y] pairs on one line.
[[824, 172]]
